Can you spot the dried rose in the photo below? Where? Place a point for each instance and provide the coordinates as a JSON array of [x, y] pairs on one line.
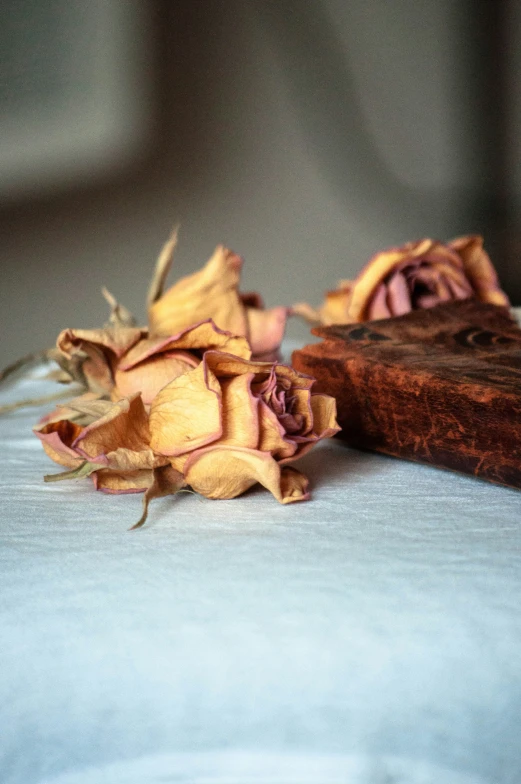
[[231, 423], [417, 275], [213, 292], [115, 444], [110, 442], [121, 361]]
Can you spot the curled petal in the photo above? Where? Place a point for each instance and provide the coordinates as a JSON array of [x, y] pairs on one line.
[[56, 438], [378, 308], [212, 292], [324, 416], [124, 426], [224, 365], [273, 437], [149, 377], [240, 412], [480, 270], [100, 348], [376, 270], [226, 472], [204, 336], [265, 330], [398, 295], [324, 425], [303, 409], [116, 340], [186, 414]]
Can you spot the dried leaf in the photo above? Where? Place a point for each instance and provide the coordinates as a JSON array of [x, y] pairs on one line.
[[84, 469]]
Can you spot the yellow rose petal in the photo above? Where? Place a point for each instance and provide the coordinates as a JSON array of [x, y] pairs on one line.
[[212, 292], [186, 414], [480, 270], [240, 413], [151, 376], [324, 416], [272, 435], [125, 426], [226, 472]]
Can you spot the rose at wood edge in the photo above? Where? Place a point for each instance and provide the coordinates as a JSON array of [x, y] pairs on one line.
[[231, 423], [416, 275]]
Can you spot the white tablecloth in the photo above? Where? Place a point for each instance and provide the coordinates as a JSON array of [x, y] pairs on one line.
[[371, 635]]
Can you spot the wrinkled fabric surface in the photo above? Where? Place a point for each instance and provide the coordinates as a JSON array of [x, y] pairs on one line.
[[372, 635]]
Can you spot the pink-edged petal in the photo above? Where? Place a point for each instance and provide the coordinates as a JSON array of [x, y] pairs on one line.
[[116, 340], [378, 307], [57, 438], [375, 272], [203, 336], [212, 292], [398, 296], [273, 437], [149, 377], [240, 412], [226, 472], [324, 425], [480, 270], [226, 365], [124, 426], [266, 329], [186, 414]]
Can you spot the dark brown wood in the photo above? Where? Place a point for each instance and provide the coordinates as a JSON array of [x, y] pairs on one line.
[[441, 386]]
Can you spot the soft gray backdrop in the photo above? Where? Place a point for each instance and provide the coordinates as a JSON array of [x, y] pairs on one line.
[[305, 134]]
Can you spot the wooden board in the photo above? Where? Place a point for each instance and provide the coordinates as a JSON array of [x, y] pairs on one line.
[[441, 386]]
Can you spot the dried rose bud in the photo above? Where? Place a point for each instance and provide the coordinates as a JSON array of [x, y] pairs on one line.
[[122, 361], [417, 275]]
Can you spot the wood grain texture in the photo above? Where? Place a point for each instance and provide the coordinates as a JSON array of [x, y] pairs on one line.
[[441, 386]]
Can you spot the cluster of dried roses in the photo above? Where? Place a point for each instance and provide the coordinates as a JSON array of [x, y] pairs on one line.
[[183, 404]]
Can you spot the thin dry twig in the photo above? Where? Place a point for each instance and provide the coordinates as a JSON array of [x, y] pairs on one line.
[[162, 269], [34, 401], [29, 359]]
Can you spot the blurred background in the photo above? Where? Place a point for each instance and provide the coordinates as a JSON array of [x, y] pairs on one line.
[[304, 134]]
